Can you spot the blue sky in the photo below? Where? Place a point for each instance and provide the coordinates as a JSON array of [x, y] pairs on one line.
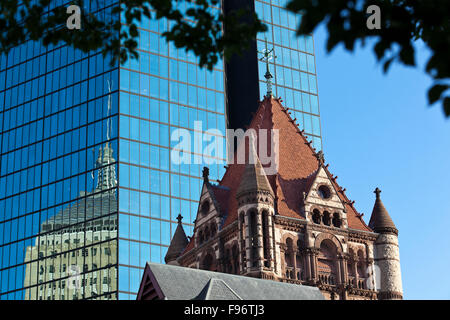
[[378, 131]]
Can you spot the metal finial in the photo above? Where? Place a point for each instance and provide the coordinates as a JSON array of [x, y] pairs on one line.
[[205, 174], [377, 192], [179, 218], [320, 156], [267, 56]]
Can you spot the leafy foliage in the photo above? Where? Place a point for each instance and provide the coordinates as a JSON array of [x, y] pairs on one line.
[[402, 23], [199, 28]]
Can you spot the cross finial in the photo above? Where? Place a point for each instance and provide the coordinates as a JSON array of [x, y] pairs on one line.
[[179, 218], [205, 174], [377, 192], [267, 56], [320, 156]]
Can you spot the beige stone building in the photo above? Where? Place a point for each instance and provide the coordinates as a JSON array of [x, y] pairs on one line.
[[297, 225], [76, 257]]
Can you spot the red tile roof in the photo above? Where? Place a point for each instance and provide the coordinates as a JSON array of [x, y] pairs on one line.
[[298, 166]]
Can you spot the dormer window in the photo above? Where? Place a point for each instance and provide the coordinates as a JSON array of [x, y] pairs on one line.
[[316, 216], [205, 207], [336, 220], [324, 192], [326, 218]]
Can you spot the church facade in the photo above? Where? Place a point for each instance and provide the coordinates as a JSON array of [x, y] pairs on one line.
[[296, 226]]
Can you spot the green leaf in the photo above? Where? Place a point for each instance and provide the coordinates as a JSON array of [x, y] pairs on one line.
[[435, 92], [387, 64], [446, 106]]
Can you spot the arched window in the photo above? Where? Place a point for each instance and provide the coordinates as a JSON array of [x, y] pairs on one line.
[[361, 265], [289, 251], [299, 262], [289, 258], [316, 216], [327, 262], [201, 237], [351, 269], [206, 233], [213, 229], [253, 238], [266, 244], [336, 220], [205, 207], [326, 218]]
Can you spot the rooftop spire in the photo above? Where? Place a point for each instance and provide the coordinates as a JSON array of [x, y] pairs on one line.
[[380, 221], [320, 157], [267, 56], [178, 243], [205, 174], [106, 176]]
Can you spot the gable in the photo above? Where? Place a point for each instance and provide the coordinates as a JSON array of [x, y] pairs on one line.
[[149, 288], [320, 186]]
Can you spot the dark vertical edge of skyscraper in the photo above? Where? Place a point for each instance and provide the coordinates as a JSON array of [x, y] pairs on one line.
[[241, 75]]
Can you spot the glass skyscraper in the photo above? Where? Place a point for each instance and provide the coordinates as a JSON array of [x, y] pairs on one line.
[[89, 190], [294, 68], [163, 93]]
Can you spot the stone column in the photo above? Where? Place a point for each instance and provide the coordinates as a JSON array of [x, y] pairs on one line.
[[344, 268], [270, 236], [339, 270], [247, 240], [308, 265]]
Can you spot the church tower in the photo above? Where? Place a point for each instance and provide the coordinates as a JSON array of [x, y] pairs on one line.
[[295, 224], [387, 256], [255, 199]]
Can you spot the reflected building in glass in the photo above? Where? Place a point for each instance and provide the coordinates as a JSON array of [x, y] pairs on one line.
[[88, 188], [58, 187]]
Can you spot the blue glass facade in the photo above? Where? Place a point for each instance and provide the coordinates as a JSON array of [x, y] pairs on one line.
[[58, 192], [89, 191], [294, 70], [160, 94]]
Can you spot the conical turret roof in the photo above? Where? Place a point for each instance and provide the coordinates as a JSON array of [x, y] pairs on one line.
[[253, 179], [381, 221], [178, 243]]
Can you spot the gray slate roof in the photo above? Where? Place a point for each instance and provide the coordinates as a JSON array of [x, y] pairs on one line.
[[181, 283]]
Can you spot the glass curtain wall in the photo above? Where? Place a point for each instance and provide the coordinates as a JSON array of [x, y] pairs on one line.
[[58, 186], [294, 70], [163, 96]]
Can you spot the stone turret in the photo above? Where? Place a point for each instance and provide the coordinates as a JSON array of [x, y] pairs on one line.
[[256, 209], [177, 245], [387, 256]]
